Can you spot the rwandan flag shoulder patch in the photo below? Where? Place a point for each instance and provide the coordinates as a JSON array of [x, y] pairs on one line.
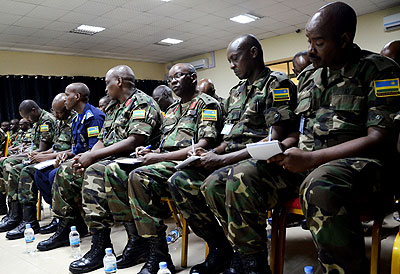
[[44, 127], [281, 94], [93, 131], [209, 115], [387, 87], [139, 114]]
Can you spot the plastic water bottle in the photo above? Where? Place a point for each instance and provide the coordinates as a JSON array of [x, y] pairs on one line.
[[308, 270], [163, 268], [269, 229], [29, 239], [109, 262], [174, 234], [75, 243]]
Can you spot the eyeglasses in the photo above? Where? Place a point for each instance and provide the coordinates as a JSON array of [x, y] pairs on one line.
[[177, 76]]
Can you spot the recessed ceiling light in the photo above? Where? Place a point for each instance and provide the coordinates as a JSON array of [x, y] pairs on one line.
[[170, 41], [165, 0], [244, 18], [88, 30]]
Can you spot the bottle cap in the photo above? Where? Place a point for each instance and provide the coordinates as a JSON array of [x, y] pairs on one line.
[[169, 239], [108, 250], [308, 269], [28, 226], [162, 265], [73, 228]]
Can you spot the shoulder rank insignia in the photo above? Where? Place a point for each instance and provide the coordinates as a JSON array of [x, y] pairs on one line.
[[138, 114], [44, 127], [209, 115], [88, 114], [193, 105], [93, 131], [386, 88], [281, 94], [163, 113]]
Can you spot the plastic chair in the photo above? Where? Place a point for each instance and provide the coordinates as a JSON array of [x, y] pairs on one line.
[[395, 269], [278, 237]]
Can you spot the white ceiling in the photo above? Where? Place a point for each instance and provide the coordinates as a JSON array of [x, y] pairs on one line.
[[134, 26]]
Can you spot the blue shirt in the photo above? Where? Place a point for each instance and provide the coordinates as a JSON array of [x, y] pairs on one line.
[[85, 128]]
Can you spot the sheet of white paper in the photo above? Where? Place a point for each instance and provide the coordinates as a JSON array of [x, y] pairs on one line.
[[45, 164], [264, 150], [128, 161], [187, 162]]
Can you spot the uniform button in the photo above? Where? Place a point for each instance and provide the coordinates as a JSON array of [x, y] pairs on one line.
[[276, 115], [378, 116]]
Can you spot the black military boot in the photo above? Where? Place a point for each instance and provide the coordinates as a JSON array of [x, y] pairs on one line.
[[158, 253], [28, 217], [93, 259], [61, 237], [136, 250], [14, 216], [218, 258], [3, 204], [50, 228], [249, 263]]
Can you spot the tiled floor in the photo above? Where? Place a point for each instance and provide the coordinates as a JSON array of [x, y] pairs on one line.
[[300, 251]]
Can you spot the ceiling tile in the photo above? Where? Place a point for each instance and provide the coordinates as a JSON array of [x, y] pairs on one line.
[[31, 22], [42, 12], [94, 8], [9, 19], [62, 4], [14, 7], [76, 17], [166, 9]]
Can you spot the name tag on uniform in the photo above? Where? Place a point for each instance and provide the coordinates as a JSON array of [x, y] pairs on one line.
[[209, 115], [93, 131], [386, 88], [138, 114], [227, 129], [44, 128], [281, 94]]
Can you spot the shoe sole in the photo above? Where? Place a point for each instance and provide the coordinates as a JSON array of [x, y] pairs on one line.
[[45, 248]]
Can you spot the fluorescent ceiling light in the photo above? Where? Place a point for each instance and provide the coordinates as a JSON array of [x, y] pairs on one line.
[[165, 0], [244, 18], [170, 41], [86, 29]]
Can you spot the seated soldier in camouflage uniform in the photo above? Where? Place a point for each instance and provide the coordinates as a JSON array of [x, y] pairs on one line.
[[346, 100], [132, 119], [252, 108], [23, 139], [207, 86], [5, 126], [27, 190], [3, 205], [13, 130], [196, 117], [10, 169]]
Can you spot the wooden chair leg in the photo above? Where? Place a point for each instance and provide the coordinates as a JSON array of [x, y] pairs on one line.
[[281, 242], [184, 253], [376, 245], [174, 213], [274, 239], [395, 269], [39, 207]]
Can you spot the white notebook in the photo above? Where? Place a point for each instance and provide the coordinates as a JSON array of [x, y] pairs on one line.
[[264, 150], [187, 162], [45, 164]]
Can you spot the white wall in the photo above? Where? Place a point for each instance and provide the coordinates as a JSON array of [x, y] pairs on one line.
[[370, 36]]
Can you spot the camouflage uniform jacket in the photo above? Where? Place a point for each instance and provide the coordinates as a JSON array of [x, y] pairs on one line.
[[13, 136], [199, 118], [63, 134], [43, 129], [3, 141], [338, 106], [252, 109], [139, 114], [18, 138]]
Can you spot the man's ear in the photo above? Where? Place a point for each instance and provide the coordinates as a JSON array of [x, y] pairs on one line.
[[119, 81], [77, 96], [346, 40], [253, 52], [194, 78]]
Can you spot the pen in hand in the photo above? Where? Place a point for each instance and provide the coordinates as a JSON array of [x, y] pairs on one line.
[[270, 134], [137, 153], [193, 146]]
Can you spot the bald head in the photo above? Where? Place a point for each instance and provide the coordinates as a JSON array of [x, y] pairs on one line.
[[300, 62], [392, 50], [81, 89], [30, 110], [163, 96], [59, 109], [103, 103], [247, 42], [336, 18], [206, 86], [124, 72]]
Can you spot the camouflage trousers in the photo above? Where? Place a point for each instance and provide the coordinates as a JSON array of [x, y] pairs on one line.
[[66, 192], [239, 195], [146, 186], [94, 198], [27, 189], [185, 190], [11, 170], [116, 182], [2, 180], [332, 197]]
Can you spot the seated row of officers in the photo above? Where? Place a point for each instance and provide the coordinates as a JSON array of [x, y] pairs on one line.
[[337, 128]]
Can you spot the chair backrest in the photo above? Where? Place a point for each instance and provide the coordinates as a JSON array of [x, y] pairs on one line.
[[7, 144]]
